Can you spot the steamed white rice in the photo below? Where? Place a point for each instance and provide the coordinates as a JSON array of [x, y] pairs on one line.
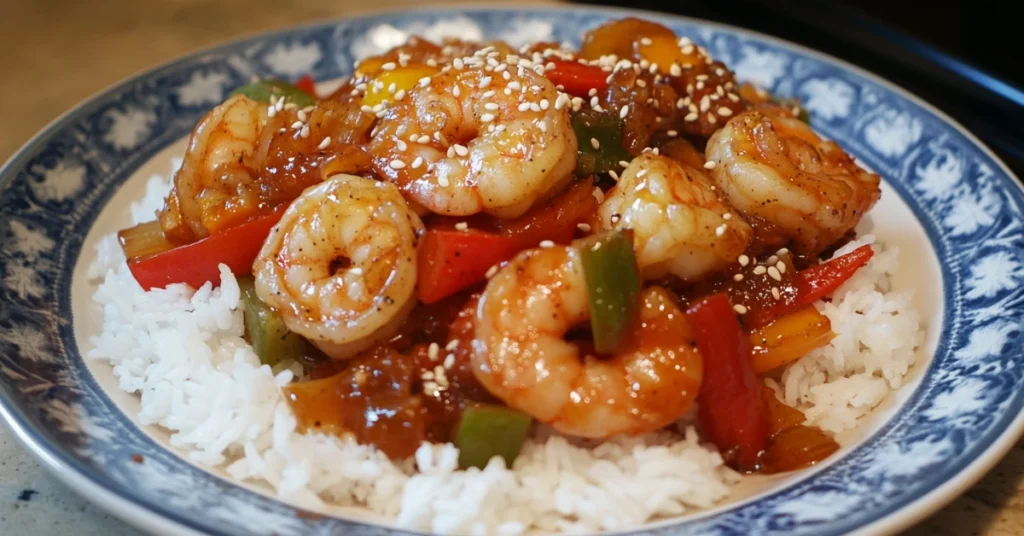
[[183, 353]]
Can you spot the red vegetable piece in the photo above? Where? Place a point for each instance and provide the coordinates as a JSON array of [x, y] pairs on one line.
[[555, 220], [815, 283], [730, 407], [576, 78], [197, 263], [450, 260], [307, 84]]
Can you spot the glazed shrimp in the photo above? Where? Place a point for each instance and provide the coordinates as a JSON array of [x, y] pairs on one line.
[[340, 266], [679, 224], [775, 169], [216, 170], [460, 145], [520, 354]]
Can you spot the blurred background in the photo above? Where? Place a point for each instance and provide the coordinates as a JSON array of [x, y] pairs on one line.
[[961, 55]]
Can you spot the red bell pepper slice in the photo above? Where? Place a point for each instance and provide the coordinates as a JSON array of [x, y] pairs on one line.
[[197, 263], [813, 284], [451, 260], [555, 220], [307, 84], [730, 408], [576, 78]]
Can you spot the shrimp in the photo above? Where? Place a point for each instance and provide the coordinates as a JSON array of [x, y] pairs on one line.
[[805, 191], [244, 156], [340, 266], [679, 224], [469, 141], [520, 354]]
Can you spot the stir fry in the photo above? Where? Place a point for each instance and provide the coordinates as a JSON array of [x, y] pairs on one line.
[[467, 240]]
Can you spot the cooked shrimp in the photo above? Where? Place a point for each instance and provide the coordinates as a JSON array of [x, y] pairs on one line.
[[520, 354], [679, 224], [775, 169], [216, 178], [340, 266], [472, 141]]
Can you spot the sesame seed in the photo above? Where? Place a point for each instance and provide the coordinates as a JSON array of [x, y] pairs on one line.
[[397, 164], [675, 70], [271, 111], [425, 81], [449, 360], [672, 133], [759, 270], [427, 375], [592, 92], [773, 272], [726, 216], [324, 143], [401, 145], [400, 95], [775, 293], [456, 91], [451, 152], [534, 107], [599, 195], [460, 150], [302, 115], [705, 103], [772, 260], [543, 126], [462, 226], [641, 173], [487, 118], [430, 388], [691, 117], [724, 112], [783, 251], [452, 344], [547, 244], [491, 106], [484, 82], [488, 94], [524, 107], [442, 181], [737, 277], [433, 350], [594, 143], [423, 139], [740, 309], [506, 75], [389, 66], [710, 164], [585, 227], [720, 230], [646, 41], [491, 271], [304, 133], [417, 163], [544, 104], [297, 125], [366, 108], [640, 82], [711, 119], [613, 174], [781, 266], [743, 260], [623, 163], [593, 102], [458, 63], [392, 88]]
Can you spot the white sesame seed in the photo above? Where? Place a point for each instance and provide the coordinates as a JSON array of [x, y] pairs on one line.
[[781, 267], [442, 181], [484, 82], [487, 118], [720, 230], [418, 162], [304, 133], [425, 81], [427, 375], [705, 103], [594, 143], [506, 75], [534, 107], [488, 94], [544, 104], [460, 150], [457, 63], [397, 164], [491, 271], [389, 66], [423, 139], [543, 126], [451, 152], [675, 70], [449, 360], [759, 270], [433, 350], [297, 125], [711, 119], [773, 272], [462, 226], [585, 227], [775, 293], [613, 174], [641, 173], [598, 194], [547, 244], [524, 107], [401, 145], [691, 117], [302, 115], [710, 164], [783, 251], [400, 95], [271, 111], [646, 41], [324, 143], [724, 112], [740, 309], [623, 163], [772, 260], [737, 277], [743, 260], [456, 91], [491, 106], [640, 82]]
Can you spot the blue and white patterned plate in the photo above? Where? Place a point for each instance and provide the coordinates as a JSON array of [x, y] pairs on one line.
[[952, 208]]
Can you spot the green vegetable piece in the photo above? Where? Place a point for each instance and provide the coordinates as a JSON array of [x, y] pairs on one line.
[[607, 130], [613, 287], [270, 339], [262, 90], [486, 431], [803, 114]]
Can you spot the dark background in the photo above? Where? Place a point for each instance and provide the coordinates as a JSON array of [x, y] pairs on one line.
[[964, 56]]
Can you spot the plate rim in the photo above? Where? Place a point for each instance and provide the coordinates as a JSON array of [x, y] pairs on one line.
[[32, 439]]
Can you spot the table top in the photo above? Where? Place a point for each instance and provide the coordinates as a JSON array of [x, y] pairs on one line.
[[44, 74]]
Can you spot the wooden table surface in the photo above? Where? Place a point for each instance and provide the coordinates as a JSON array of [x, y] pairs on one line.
[[58, 52]]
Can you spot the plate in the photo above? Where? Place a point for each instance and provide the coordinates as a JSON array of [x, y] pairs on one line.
[[951, 207]]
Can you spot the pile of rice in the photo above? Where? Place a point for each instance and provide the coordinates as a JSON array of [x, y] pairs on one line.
[[183, 353]]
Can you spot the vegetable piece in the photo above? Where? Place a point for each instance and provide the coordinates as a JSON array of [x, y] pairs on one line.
[[262, 90], [144, 240], [197, 263], [451, 260], [730, 407], [813, 284], [607, 130], [794, 105], [780, 416], [387, 83], [307, 84], [793, 444], [613, 287], [555, 220], [486, 431], [789, 338], [271, 340], [576, 78]]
